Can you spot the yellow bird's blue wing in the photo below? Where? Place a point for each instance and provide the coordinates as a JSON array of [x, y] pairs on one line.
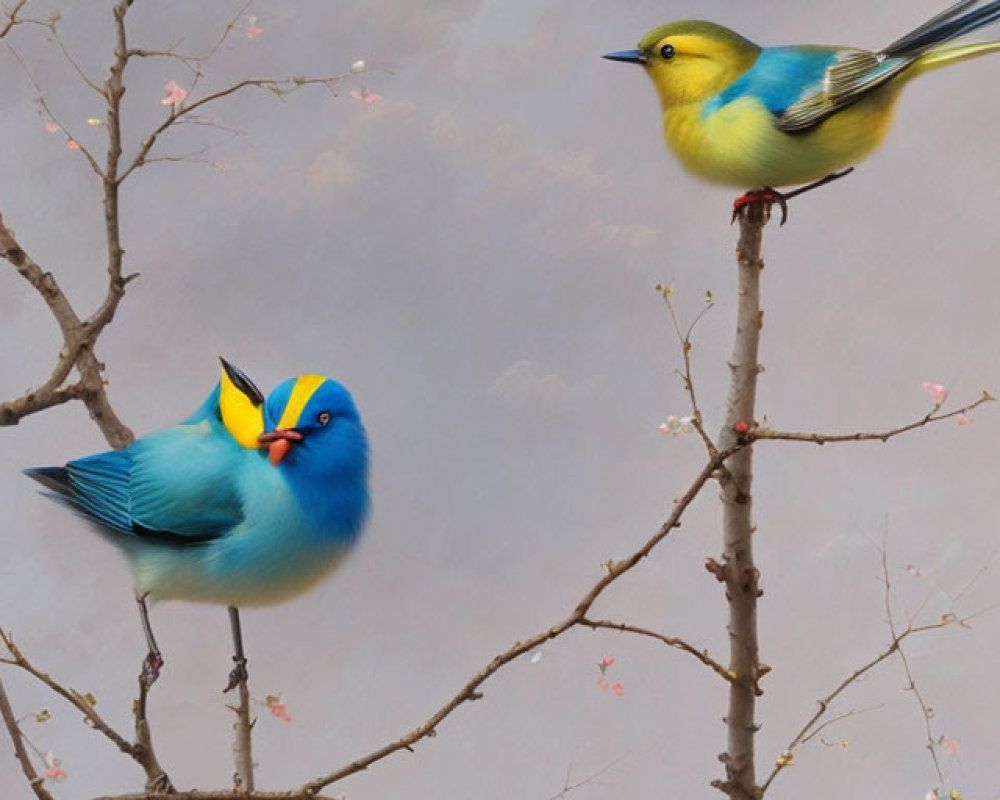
[[856, 73]]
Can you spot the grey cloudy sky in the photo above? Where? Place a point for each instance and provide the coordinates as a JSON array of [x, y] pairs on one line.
[[475, 258]]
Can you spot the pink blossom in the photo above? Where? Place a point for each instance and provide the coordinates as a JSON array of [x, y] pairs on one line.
[[914, 570], [964, 420], [937, 391], [51, 126], [618, 689], [369, 97], [72, 144], [950, 745], [253, 32], [606, 662], [932, 795], [175, 94], [53, 768], [602, 682]]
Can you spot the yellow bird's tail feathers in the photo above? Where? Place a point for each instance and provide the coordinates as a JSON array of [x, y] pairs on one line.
[[933, 59]]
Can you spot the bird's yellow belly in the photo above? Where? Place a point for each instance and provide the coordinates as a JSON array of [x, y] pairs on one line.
[[738, 145]]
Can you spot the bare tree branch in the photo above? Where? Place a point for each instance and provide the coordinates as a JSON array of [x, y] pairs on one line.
[[470, 691], [680, 644], [278, 86], [757, 434], [36, 781], [12, 19], [738, 572], [142, 755], [295, 794]]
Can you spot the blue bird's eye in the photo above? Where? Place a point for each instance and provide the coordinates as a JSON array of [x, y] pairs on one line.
[[323, 418], [667, 52]]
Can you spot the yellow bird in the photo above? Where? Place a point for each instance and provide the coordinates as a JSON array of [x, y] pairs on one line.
[[757, 118]]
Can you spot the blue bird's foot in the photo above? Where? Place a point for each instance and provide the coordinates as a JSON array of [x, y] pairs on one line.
[[238, 675], [150, 669]]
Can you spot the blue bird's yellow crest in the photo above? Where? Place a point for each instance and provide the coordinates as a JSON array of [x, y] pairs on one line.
[[242, 415]]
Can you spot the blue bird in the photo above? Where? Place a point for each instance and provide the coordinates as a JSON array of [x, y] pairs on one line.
[[248, 502]]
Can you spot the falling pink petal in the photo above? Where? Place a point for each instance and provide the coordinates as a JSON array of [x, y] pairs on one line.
[[368, 97], [175, 94], [253, 32], [72, 144], [914, 570], [602, 682], [51, 126], [618, 689], [964, 420], [937, 391], [277, 708]]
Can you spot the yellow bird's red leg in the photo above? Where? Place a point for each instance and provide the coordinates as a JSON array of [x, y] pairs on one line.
[[772, 196]]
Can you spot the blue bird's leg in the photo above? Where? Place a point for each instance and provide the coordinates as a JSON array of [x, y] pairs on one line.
[[772, 196], [239, 673], [154, 659]]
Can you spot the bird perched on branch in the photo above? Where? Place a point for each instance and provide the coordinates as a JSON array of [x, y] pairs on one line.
[[247, 502], [757, 118]]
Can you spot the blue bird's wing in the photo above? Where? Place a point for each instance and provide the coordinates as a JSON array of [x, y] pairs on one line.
[[175, 486]]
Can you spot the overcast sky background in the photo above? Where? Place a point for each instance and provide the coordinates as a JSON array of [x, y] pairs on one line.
[[474, 257]]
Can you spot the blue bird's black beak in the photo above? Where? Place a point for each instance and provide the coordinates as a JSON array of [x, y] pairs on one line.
[[629, 56]]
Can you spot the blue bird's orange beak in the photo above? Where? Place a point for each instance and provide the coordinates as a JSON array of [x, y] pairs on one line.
[[628, 56], [278, 443]]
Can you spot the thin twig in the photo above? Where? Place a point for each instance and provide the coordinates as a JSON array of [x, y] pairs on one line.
[[279, 86], [570, 787], [36, 781], [911, 682], [840, 718], [684, 338], [758, 434], [680, 644]]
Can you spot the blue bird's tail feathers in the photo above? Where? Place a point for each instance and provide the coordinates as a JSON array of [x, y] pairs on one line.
[[56, 479], [950, 24]]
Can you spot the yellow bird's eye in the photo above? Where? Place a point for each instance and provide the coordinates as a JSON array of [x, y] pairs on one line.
[[667, 52], [323, 418]]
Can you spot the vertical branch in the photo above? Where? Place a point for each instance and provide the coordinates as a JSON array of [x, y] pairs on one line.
[[10, 722], [243, 742], [738, 571]]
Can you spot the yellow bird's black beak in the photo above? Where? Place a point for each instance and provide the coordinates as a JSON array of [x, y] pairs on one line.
[[629, 56]]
